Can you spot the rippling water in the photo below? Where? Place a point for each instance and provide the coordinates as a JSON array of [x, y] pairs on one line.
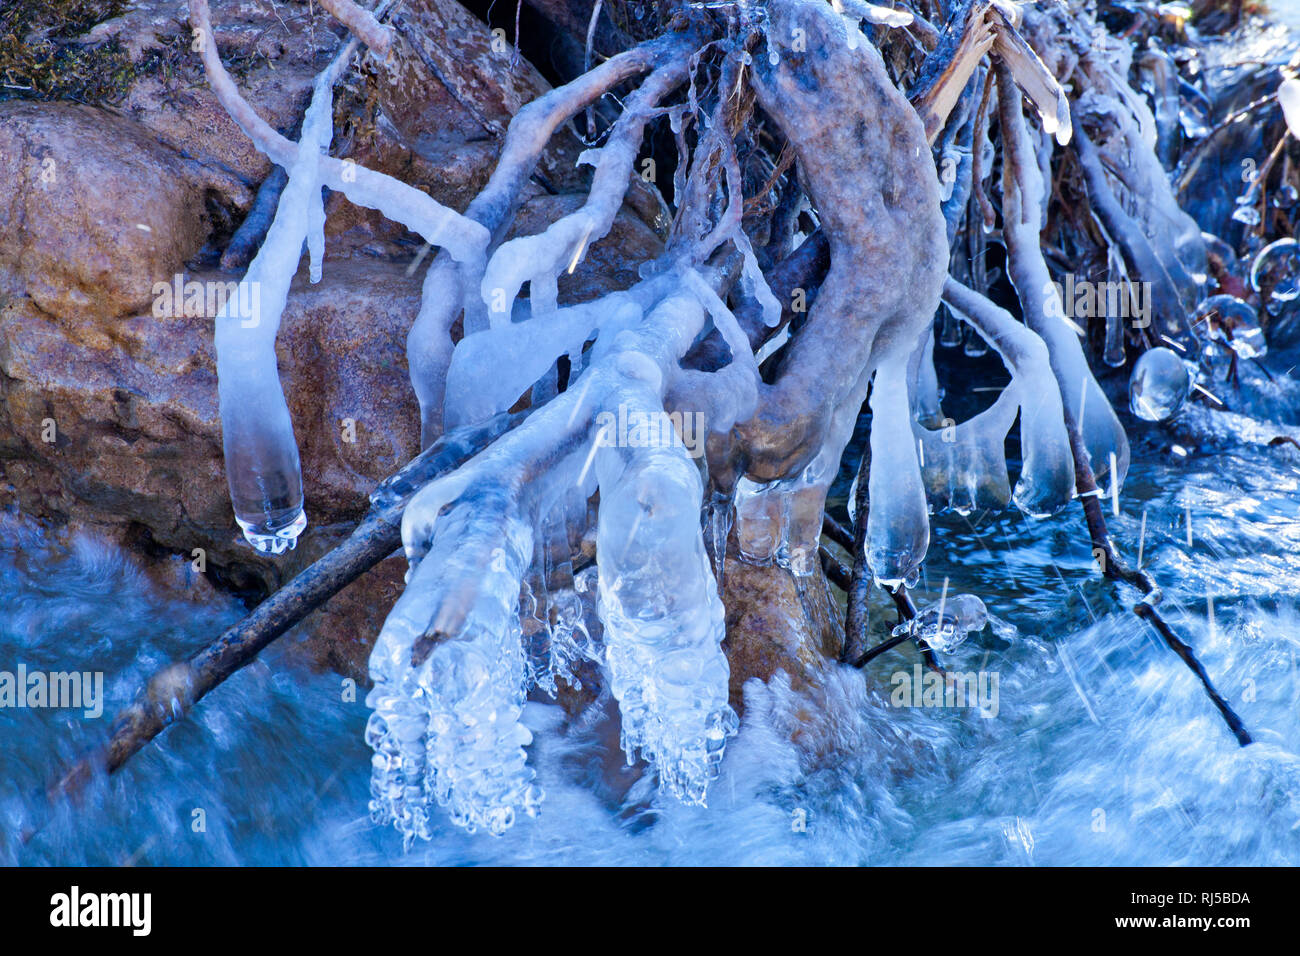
[[1104, 748]]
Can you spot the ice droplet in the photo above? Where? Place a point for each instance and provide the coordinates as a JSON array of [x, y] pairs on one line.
[[1234, 324], [1276, 270], [1246, 212], [1159, 385], [947, 623]]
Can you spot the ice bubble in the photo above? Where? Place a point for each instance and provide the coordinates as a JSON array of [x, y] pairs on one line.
[[1276, 271], [945, 625], [1159, 385], [1227, 320]]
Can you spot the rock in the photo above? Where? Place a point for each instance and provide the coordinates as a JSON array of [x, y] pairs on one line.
[[777, 622], [93, 211], [475, 90], [133, 415], [273, 54]]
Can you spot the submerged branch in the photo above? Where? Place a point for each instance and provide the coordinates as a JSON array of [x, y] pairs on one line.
[[1115, 569]]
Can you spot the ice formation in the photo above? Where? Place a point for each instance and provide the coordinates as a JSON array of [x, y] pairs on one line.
[[1226, 323], [262, 464], [1275, 273], [662, 616], [1288, 94], [1158, 385], [946, 624], [1083, 400], [501, 598], [261, 455]]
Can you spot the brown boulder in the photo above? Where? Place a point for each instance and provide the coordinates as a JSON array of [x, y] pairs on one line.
[[93, 211], [777, 622]]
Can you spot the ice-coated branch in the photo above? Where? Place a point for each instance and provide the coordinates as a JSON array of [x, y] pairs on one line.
[[539, 259], [173, 691], [1040, 301], [966, 38], [362, 23], [261, 455], [462, 237], [974, 29], [1141, 257], [863, 155], [440, 711], [429, 345]]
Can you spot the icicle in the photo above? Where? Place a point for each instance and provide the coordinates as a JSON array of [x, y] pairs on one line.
[[1288, 95], [1113, 352], [950, 331], [760, 520], [719, 524], [964, 466], [1046, 481], [754, 283], [975, 346], [448, 726], [898, 527], [262, 466], [924, 383], [663, 620], [1040, 299]]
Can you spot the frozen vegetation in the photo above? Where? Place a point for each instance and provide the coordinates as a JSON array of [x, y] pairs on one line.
[[897, 188]]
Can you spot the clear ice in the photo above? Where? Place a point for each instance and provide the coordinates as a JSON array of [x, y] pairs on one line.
[[262, 466], [663, 619], [946, 624], [1276, 271], [1230, 324], [1158, 385]]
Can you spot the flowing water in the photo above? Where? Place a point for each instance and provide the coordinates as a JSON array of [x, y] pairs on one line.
[[1104, 748]]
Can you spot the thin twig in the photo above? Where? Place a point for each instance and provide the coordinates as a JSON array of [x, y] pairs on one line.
[[1115, 569]]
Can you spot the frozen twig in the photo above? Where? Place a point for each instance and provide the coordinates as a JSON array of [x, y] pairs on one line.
[[361, 22]]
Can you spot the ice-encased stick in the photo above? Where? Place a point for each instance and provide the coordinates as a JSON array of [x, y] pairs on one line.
[[261, 454], [1040, 301]]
